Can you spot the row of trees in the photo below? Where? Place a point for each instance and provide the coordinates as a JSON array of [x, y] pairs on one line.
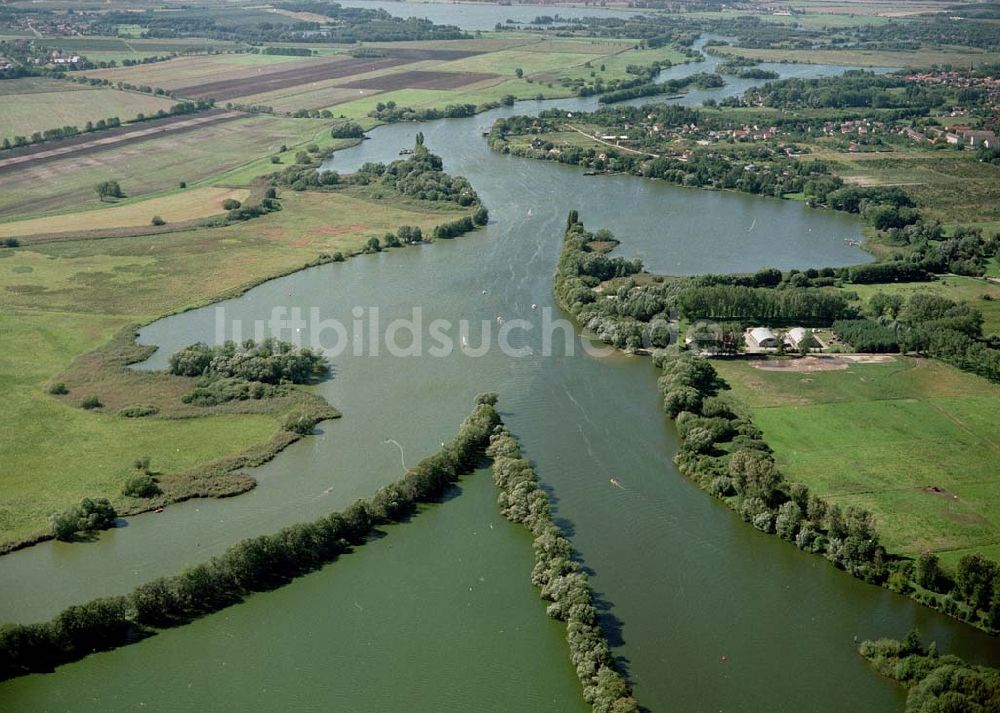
[[726, 455], [113, 122], [704, 80], [462, 226], [810, 306], [559, 576], [253, 565], [390, 112]]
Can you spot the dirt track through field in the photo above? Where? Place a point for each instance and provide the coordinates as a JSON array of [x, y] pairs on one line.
[[138, 133]]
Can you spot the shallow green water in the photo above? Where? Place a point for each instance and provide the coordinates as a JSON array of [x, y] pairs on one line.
[[686, 582], [362, 634]]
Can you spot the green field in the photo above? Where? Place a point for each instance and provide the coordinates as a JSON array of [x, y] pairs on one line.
[[64, 299], [914, 441], [35, 104], [154, 166]]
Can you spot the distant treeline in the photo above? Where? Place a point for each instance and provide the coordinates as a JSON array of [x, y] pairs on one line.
[[562, 580], [253, 565], [347, 25]]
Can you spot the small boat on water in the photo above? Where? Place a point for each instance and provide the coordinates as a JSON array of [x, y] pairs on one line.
[[617, 484], [405, 152]]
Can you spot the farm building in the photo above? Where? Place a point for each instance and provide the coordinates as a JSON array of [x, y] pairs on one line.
[[761, 338], [799, 337]]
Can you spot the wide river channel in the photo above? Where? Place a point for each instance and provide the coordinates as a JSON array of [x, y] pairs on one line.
[[706, 613]]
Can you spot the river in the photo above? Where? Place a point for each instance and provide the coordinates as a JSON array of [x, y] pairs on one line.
[[439, 615]]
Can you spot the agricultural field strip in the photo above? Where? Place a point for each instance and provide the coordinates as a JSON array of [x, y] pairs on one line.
[[51, 154]]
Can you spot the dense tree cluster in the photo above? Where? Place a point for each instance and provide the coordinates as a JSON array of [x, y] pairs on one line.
[[420, 176], [925, 323], [390, 112], [461, 226], [808, 306], [560, 578], [935, 683], [267, 362], [90, 514], [347, 130], [253, 565]]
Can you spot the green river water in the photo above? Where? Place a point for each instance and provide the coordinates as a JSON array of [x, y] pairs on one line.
[[439, 615]]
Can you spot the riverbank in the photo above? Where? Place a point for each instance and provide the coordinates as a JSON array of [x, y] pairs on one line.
[[63, 313]]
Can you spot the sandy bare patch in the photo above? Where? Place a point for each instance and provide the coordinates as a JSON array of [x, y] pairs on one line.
[[869, 358], [805, 364], [831, 362]]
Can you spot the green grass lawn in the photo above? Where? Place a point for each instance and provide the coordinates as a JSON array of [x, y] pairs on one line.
[[60, 300], [914, 441]]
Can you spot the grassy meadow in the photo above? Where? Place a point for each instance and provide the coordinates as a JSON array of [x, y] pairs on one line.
[[915, 441], [36, 104], [152, 167], [177, 207], [61, 300]]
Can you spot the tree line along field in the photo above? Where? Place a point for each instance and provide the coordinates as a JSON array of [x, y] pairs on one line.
[[61, 300], [914, 441], [36, 104]]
